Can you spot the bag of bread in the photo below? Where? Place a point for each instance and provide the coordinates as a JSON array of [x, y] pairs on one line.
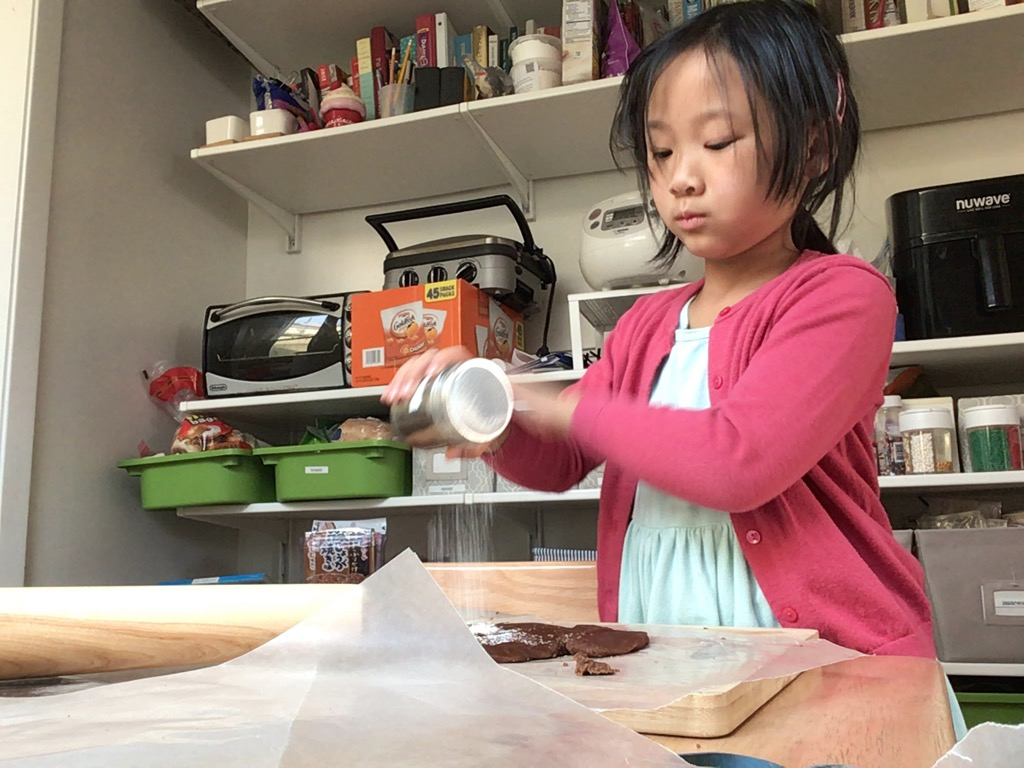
[[208, 433], [369, 428]]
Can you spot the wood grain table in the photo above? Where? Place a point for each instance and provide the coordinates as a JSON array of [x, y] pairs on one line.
[[870, 712]]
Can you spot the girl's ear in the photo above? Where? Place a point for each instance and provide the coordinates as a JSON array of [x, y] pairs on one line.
[[818, 160]]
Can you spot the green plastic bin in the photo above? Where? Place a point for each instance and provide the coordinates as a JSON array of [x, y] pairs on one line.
[[227, 476], [992, 708], [355, 470]]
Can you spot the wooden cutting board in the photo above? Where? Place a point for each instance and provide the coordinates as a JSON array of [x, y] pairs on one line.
[[713, 712]]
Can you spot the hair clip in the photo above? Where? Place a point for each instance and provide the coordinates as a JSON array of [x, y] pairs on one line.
[[840, 97]]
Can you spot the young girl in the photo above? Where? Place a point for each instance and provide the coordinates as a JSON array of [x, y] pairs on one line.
[[735, 413]]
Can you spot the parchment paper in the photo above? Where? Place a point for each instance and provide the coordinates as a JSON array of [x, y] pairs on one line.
[[988, 745], [387, 675], [685, 660]]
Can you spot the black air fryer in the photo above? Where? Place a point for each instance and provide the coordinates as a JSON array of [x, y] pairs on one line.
[[958, 257]]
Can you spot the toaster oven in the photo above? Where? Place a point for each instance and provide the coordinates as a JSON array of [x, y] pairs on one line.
[[277, 344]]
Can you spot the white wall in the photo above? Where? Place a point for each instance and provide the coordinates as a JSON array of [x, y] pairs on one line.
[[141, 240]]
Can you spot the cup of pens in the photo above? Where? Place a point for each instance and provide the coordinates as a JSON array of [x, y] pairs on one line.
[[396, 99]]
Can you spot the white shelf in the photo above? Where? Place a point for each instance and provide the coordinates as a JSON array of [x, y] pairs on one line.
[[996, 358], [952, 481], [382, 161], [986, 670], [943, 69], [290, 35], [292, 412], [363, 508]]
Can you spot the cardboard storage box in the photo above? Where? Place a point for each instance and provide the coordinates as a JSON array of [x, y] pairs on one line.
[[975, 580], [389, 327], [434, 473]]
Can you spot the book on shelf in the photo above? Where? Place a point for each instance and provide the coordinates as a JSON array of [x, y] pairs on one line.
[[426, 41], [493, 56], [445, 35], [481, 33], [364, 66]]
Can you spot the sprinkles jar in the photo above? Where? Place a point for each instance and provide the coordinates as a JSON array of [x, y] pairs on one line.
[[927, 440], [993, 437]]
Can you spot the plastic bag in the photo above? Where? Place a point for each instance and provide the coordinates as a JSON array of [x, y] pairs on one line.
[[170, 386], [621, 48], [338, 552], [208, 433]]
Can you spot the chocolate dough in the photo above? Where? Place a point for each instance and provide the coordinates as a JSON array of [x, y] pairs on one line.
[[510, 643], [527, 641], [598, 642], [587, 666]]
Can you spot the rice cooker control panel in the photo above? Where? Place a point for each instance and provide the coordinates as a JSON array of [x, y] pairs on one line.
[[615, 221]]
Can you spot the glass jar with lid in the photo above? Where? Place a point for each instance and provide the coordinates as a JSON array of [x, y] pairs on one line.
[[928, 435], [993, 437]]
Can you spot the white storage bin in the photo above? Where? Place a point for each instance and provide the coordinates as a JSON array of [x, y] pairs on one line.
[[433, 473]]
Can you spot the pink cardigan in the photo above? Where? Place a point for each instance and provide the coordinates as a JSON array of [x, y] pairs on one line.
[[795, 373]]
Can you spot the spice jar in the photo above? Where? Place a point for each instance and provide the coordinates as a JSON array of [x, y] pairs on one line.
[[927, 440], [888, 440], [467, 402], [993, 437]]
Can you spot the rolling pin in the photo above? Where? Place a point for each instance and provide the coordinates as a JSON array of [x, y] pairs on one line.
[[49, 631]]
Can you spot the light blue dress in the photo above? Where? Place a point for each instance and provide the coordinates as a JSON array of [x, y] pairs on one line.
[[682, 563]]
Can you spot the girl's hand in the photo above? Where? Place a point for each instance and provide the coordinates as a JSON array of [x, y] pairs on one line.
[[544, 409], [418, 368], [421, 367]]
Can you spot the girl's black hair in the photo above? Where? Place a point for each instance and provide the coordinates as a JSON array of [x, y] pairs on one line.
[[791, 64]]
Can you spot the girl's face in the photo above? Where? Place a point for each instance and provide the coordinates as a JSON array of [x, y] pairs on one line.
[[703, 163]]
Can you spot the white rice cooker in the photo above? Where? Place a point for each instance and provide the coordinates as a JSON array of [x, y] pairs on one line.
[[620, 237]]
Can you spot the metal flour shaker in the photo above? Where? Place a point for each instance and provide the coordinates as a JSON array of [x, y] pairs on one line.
[[467, 402]]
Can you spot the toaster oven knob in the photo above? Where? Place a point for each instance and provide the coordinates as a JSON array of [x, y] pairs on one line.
[[408, 278], [437, 274], [466, 272]]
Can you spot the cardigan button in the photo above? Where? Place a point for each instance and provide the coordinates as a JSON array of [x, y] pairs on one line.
[[716, 381], [754, 537], [725, 311], [790, 615]]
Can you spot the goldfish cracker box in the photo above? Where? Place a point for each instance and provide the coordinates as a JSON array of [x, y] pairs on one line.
[[389, 327]]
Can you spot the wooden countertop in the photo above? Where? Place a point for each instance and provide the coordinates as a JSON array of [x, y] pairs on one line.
[[871, 712]]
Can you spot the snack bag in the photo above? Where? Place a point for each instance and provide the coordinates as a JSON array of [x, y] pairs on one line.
[[403, 331], [344, 552], [433, 325]]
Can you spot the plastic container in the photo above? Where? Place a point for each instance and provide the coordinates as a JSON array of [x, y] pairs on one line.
[[993, 437], [355, 470], [888, 440], [927, 440], [1007, 708], [228, 476], [536, 75], [540, 47]]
